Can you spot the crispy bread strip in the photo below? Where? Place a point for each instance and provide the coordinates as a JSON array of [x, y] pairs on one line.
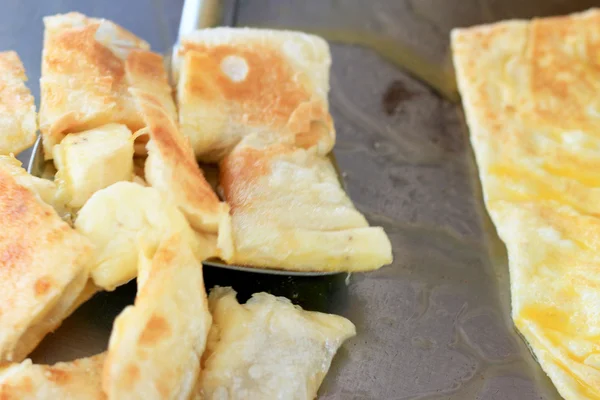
[[18, 123], [171, 167], [267, 348], [156, 345], [43, 268]]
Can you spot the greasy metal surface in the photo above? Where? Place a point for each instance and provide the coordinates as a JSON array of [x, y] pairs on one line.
[[435, 325]]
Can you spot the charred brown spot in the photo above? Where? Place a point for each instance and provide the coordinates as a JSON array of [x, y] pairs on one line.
[[16, 390], [12, 255], [26, 385], [81, 43], [175, 150], [165, 256], [59, 376], [42, 286], [316, 131], [132, 374], [156, 329], [163, 389]]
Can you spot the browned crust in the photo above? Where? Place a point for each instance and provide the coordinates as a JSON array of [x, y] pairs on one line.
[[18, 128], [269, 93], [83, 82], [171, 166], [145, 71], [242, 167], [157, 343], [276, 95], [35, 266], [174, 151], [75, 379]]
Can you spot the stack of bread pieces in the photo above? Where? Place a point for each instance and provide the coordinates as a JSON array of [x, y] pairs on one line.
[[129, 201]]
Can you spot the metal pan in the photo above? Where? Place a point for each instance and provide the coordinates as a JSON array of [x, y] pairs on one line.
[[436, 324]]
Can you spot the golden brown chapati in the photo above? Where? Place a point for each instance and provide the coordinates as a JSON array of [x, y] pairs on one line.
[[530, 94]]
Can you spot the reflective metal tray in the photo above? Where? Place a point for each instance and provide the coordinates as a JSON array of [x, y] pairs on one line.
[[435, 324]]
